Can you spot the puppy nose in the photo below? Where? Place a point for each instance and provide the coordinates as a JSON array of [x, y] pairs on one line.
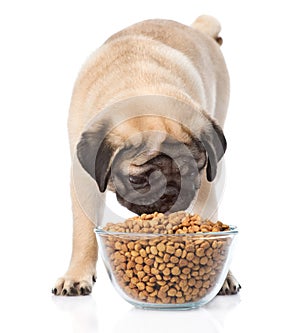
[[138, 180]]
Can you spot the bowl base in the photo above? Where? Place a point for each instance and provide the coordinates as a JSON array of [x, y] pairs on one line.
[[167, 307]]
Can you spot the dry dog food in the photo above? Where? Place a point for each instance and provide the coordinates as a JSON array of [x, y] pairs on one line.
[[166, 269]]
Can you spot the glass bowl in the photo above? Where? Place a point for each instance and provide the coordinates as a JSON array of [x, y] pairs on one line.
[[167, 271]]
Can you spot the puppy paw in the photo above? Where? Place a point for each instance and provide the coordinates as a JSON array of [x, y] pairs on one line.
[[230, 286], [74, 286]]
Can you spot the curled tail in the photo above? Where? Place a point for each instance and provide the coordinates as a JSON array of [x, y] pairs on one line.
[[209, 26]]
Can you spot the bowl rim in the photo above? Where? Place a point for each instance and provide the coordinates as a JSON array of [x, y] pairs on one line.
[[233, 231]]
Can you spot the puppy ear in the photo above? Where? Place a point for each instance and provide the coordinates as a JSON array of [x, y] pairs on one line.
[[95, 154], [215, 145], [103, 163]]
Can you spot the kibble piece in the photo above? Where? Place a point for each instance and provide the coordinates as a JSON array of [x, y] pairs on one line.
[[134, 280], [172, 292], [194, 292], [190, 247], [141, 285], [159, 260], [203, 260], [174, 279], [183, 262], [205, 245], [205, 277], [149, 289], [210, 262], [186, 270], [142, 295], [175, 270], [206, 284], [118, 245], [166, 257], [170, 264], [195, 228], [184, 253], [148, 261], [174, 260], [146, 278], [178, 253], [200, 252], [139, 267], [154, 271], [191, 282], [153, 250], [188, 298], [129, 273], [161, 247], [170, 249], [190, 256], [198, 284], [137, 247], [130, 264], [139, 260], [161, 294], [164, 288], [214, 245], [180, 300], [196, 260], [161, 267], [134, 253], [209, 252]]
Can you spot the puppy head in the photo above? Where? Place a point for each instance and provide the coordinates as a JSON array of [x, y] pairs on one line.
[[151, 151], [149, 169], [163, 179]]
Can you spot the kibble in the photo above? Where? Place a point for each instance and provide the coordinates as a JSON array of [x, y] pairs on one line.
[[163, 268]]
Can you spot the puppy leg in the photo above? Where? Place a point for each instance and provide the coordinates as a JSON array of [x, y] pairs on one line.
[[206, 201], [206, 206], [230, 286], [81, 274]]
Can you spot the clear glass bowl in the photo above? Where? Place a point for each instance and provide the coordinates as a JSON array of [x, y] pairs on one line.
[[159, 271]]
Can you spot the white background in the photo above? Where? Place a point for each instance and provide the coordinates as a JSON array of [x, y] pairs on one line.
[[43, 45]]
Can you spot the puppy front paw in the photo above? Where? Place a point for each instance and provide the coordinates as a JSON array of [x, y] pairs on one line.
[[230, 285], [74, 286]]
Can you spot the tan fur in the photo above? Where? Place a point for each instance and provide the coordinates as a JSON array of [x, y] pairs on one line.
[[208, 25], [155, 57]]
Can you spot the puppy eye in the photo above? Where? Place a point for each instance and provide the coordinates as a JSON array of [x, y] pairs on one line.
[[193, 174]]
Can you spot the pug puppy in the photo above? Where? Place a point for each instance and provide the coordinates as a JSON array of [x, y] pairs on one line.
[[145, 122]]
